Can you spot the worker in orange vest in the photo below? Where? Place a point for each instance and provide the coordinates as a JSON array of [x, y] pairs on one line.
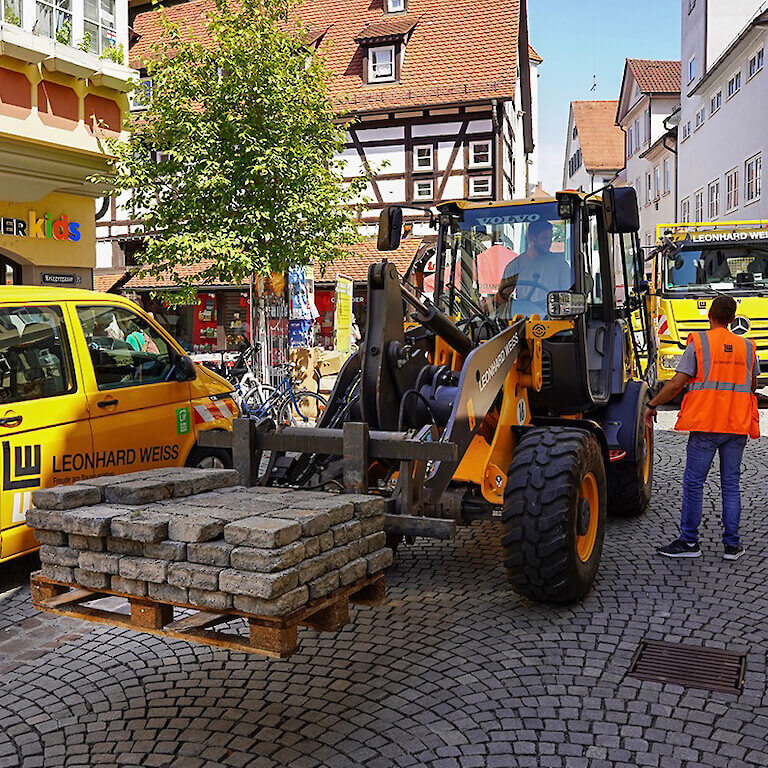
[[720, 411]]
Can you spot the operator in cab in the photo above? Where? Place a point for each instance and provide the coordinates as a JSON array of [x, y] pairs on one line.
[[529, 277]]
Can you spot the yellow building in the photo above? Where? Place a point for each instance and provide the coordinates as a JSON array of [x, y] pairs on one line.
[[57, 105]]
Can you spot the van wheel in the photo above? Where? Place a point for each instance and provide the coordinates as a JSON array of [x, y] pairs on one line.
[[209, 458]]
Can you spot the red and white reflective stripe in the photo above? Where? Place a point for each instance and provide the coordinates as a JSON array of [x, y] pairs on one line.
[[224, 409], [221, 409], [663, 325]]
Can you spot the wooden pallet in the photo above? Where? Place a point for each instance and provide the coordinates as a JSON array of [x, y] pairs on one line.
[[276, 637]]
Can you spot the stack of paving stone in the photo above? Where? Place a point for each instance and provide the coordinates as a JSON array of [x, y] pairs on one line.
[[192, 536]]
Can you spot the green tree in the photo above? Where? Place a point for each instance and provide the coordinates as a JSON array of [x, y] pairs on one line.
[[231, 167]]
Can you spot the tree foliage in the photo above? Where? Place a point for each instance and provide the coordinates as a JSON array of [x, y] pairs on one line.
[[231, 168]]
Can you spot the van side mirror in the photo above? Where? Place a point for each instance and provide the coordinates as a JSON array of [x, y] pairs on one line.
[[621, 213], [185, 369], [390, 228]]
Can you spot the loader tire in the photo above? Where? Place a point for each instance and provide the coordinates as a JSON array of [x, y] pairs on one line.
[[554, 514], [630, 482]]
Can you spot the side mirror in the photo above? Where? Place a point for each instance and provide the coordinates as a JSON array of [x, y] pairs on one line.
[[390, 228], [621, 213], [564, 304], [184, 369]]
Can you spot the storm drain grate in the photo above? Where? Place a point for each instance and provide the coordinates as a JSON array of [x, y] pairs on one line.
[[691, 666]]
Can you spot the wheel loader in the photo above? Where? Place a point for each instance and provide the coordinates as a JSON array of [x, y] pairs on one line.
[[485, 388]]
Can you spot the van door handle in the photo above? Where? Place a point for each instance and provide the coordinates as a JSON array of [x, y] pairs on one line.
[[11, 421], [107, 403]]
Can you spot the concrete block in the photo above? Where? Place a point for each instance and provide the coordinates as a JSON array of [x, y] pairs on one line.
[[210, 553], [206, 599], [92, 579], [323, 585], [138, 491], [346, 532], [371, 525], [264, 585], [312, 523], [366, 505], [335, 505], [142, 525], [100, 562], [375, 541], [356, 548], [352, 571], [87, 543], [379, 560], [311, 546], [124, 546], [194, 528], [166, 550], [65, 556], [58, 572], [280, 606], [267, 560], [201, 480], [52, 538], [166, 593], [47, 519], [312, 569], [262, 532], [326, 541], [90, 521], [66, 497], [194, 575], [143, 569], [129, 586]]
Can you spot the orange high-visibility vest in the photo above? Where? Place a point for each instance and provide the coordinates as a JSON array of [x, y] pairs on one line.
[[720, 397]]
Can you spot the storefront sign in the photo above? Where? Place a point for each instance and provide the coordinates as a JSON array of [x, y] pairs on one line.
[[42, 227], [343, 318], [50, 278]]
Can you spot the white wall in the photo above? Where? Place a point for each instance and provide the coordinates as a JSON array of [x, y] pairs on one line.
[[725, 19], [533, 159], [580, 179]]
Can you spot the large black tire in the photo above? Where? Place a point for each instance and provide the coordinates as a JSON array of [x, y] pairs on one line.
[[546, 557], [630, 483], [209, 458]]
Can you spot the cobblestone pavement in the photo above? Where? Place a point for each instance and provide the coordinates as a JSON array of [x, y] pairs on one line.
[[454, 670]]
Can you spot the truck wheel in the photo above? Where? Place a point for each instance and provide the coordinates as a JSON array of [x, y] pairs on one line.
[[209, 458], [554, 514]]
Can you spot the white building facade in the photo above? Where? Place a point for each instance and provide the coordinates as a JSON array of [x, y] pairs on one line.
[[724, 110]]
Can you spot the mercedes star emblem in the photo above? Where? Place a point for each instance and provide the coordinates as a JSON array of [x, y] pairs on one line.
[[740, 325]]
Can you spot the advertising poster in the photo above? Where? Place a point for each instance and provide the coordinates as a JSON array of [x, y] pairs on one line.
[[343, 317]]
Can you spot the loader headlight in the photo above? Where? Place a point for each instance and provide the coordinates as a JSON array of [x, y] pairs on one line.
[[670, 361], [566, 304]]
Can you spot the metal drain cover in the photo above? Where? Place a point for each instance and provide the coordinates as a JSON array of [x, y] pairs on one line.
[[690, 666]]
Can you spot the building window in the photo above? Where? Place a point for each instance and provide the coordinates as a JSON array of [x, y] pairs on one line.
[[648, 182], [667, 175], [732, 189], [685, 210], [395, 6], [480, 154], [381, 64], [756, 63], [54, 16], [479, 186], [638, 139], [753, 169], [141, 96], [715, 102], [699, 118], [574, 133], [99, 25], [713, 196], [10, 12], [698, 205], [648, 125], [575, 162], [686, 130], [630, 147], [691, 69], [734, 85], [423, 158], [423, 189], [657, 181]]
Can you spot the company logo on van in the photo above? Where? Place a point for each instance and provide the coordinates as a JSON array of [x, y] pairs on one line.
[[42, 227], [24, 470]]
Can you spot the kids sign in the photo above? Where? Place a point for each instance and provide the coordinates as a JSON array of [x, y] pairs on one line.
[[45, 227]]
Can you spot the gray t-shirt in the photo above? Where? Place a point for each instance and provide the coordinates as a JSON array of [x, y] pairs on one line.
[[550, 271], [687, 364]]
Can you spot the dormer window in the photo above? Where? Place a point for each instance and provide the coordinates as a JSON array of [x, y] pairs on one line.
[[381, 64], [395, 6]]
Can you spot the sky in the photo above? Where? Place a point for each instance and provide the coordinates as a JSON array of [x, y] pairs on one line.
[[587, 41]]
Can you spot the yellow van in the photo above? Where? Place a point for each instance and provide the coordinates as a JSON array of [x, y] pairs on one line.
[[91, 385]]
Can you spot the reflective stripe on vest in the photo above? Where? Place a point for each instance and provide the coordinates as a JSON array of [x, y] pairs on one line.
[[707, 370]]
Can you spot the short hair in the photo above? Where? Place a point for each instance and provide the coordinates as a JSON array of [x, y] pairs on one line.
[[538, 226], [723, 309]]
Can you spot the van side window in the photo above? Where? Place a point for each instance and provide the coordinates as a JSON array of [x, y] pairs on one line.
[[35, 356], [126, 350]]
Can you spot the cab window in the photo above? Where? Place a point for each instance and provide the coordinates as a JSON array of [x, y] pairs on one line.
[[35, 356], [125, 349]]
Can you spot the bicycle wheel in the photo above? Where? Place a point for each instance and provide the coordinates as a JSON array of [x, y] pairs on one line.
[[255, 400], [304, 409]]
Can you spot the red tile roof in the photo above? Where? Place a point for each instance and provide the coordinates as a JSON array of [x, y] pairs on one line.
[[459, 51], [654, 76], [601, 140], [384, 28], [533, 56]]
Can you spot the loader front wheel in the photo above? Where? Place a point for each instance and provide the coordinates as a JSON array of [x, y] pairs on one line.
[[554, 515]]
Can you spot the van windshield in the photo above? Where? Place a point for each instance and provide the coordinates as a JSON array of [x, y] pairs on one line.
[[704, 269]]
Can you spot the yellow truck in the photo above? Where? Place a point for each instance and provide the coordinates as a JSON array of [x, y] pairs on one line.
[[693, 263], [91, 385]]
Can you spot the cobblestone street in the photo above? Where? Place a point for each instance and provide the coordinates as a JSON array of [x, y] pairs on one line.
[[454, 670]]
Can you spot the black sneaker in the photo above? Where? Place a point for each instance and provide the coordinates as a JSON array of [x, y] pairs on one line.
[[732, 552], [679, 548]]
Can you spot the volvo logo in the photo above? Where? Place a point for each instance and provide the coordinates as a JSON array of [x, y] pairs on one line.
[[740, 325]]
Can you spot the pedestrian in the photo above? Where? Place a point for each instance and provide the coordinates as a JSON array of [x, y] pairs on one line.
[[720, 411]]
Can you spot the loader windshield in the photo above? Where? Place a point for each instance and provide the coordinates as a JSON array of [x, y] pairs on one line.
[[504, 260]]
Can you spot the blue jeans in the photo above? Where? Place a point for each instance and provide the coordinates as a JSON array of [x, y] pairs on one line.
[[702, 447]]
